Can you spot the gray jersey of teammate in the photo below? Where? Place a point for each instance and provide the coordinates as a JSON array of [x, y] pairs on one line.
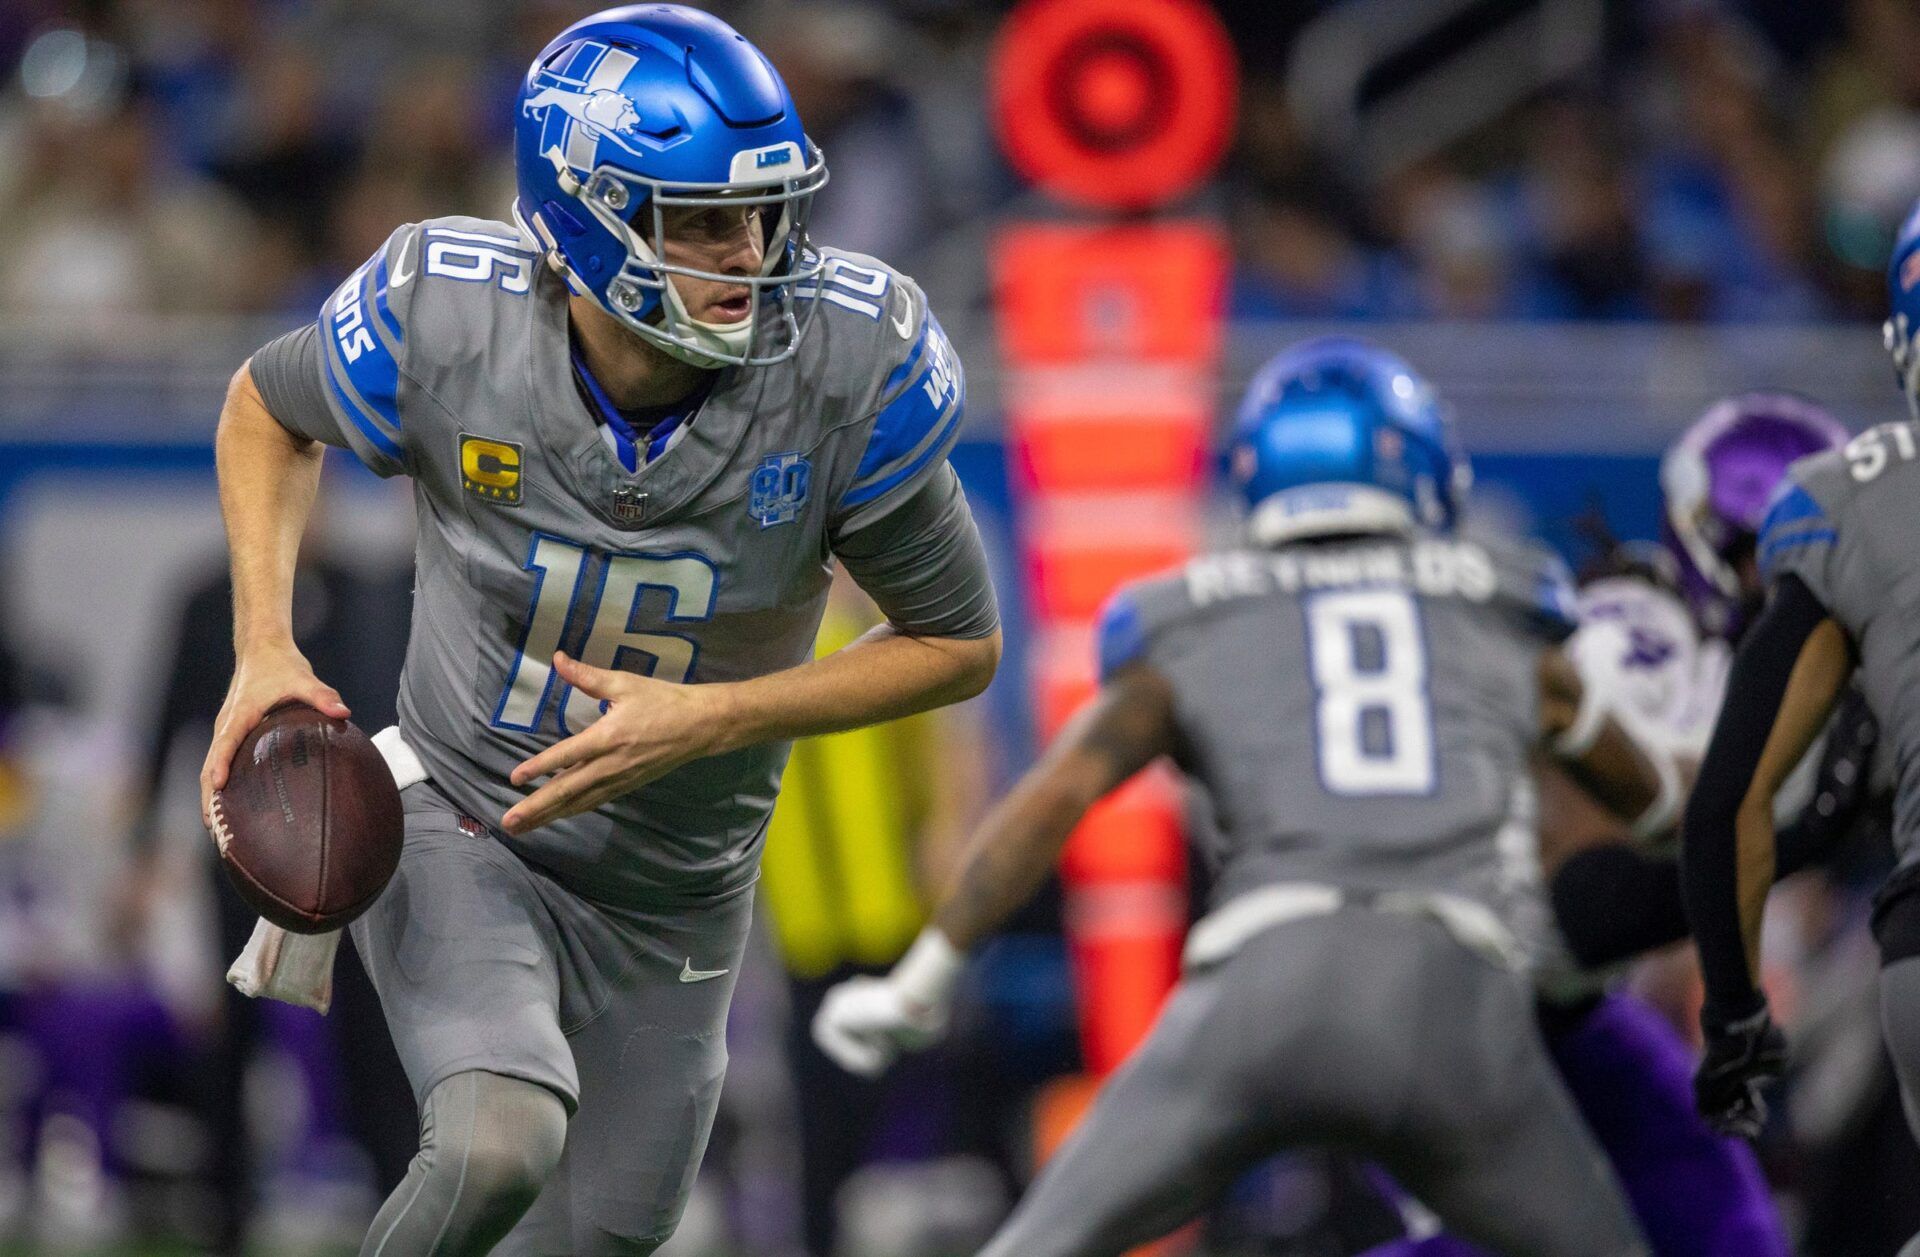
[[446, 358], [1360, 715], [1844, 524]]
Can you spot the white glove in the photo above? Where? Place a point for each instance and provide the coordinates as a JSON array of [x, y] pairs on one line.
[[864, 1024]]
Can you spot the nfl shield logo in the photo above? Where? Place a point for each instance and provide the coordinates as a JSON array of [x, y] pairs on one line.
[[629, 505], [779, 489]]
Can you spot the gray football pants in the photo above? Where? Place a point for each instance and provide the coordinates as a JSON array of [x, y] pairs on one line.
[[1370, 1032]]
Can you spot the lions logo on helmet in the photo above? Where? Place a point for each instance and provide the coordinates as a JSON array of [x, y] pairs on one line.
[[640, 112], [602, 114]]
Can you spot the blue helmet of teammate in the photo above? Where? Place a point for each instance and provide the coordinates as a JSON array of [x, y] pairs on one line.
[[1336, 435], [1903, 315], [635, 112]]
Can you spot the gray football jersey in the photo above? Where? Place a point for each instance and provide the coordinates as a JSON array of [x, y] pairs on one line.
[[446, 358], [1359, 713], [1846, 523]]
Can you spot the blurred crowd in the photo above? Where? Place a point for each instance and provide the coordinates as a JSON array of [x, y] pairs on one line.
[[1726, 161], [1714, 160]]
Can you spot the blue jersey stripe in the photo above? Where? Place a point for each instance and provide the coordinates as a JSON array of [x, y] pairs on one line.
[[1122, 636], [937, 448], [376, 378], [387, 319], [1808, 537], [1792, 505], [908, 365], [361, 420], [905, 421]]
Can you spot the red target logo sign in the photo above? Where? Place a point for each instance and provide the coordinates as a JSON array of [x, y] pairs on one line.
[[1114, 104]]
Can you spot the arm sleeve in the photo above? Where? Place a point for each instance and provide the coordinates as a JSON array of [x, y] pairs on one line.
[[288, 372], [337, 380], [923, 563], [913, 431], [1756, 687]]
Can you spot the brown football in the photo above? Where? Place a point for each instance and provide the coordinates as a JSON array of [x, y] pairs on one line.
[[309, 823]]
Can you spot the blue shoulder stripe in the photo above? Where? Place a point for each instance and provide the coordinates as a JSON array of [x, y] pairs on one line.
[[1773, 547], [387, 319], [935, 449], [1794, 519], [372, 372], [1556, 610], [1791, 506], [918, 425], [358, 414], [1122, 635]]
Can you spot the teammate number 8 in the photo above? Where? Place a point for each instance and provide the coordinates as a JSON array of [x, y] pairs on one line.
[[1373, 719]]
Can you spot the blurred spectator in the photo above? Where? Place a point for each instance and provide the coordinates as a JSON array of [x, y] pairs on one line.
[[1727, 215], [1456, 242], [1865, 134], [840, 59], [1581, 249], [1296, 228], [97, 224], [284, 155], [354, 629]]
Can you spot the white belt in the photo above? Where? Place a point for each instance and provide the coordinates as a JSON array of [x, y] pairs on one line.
[[405, 766], [1224, 931]]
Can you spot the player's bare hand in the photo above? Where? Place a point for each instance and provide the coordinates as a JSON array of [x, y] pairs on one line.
[[650, 728], [264, 678]]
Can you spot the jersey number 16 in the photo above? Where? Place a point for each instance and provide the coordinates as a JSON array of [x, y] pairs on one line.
[[689, 583]]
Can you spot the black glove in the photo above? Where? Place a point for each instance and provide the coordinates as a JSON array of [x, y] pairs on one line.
[[1742, 1058]]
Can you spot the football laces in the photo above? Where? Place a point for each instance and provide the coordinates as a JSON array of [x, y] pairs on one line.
[[222, 836]]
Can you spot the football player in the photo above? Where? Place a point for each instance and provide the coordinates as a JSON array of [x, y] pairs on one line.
[[642, 421], [1837, 550], [1358, 691], [1655, 638]]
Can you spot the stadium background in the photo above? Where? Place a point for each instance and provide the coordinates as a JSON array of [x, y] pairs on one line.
[[1584, 220]]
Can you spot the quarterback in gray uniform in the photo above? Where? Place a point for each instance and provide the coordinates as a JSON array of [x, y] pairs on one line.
[[1838, 554], [642, 421], [1358, 691]]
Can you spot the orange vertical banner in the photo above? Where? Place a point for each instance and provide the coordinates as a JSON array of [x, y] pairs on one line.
[[1111, 336]]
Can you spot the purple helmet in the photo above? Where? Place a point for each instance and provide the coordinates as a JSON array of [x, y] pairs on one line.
[[1717, 481]]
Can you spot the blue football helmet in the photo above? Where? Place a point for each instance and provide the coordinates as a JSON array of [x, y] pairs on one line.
[[1903, 315], [1336, 435], [641, 109]]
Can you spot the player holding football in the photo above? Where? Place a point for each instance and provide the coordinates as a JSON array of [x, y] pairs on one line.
[[1838, 552], [1358, 693], [641, 422]]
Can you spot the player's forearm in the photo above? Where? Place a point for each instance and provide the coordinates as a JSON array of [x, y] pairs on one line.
[[268, 478], [1755, 860], [1632, 778], [1785, 680], [1127, 726], [883, 676], [1016, 846]]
